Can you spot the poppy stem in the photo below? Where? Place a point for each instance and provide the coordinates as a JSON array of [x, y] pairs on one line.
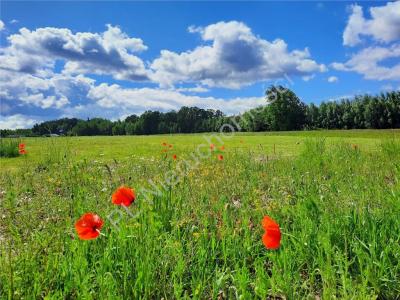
[[100, 232]]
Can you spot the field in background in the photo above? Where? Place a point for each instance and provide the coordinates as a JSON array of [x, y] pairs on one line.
[[335, 194], [106, 148]]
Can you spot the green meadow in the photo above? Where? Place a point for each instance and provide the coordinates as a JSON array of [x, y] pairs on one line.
[[194, 230]]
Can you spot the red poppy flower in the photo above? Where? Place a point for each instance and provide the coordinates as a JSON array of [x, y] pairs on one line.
[[123, 196], [164, 144], [174, 157], [21, 146], [272, 236], [222, 148], [170, 146], [220, 157], [22, 151], [88, 226], [212, 146]]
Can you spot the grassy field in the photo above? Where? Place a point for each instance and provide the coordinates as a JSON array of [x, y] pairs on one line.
[[335, 195]]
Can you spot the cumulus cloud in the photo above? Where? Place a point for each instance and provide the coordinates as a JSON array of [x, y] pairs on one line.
[[21, 89], [142, 99], [46, 72], [63, 95], [195, 89], [370, 62], [17, 121], [1, 25], [379, 57], [383, 26], [110, 53], [332, 79], [233, 57]]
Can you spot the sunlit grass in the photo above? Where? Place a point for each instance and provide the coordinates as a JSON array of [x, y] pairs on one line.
[[338, 209]]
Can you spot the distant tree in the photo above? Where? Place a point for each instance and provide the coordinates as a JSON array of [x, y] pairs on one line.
[[255, 119], [118, 128], [285, 111], [312, 116], [16, 132], [61, 126], [131, 119], [149, 122], [348, 114], [96, 126]]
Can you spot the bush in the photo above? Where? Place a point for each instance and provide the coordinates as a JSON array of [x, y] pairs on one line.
[[9, 147]]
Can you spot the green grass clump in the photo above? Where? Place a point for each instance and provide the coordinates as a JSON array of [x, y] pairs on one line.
[[9, 147], [338, 209]]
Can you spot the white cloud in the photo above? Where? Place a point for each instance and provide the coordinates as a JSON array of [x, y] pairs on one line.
[[14, 21], [332, 79], [389, 87], [110, 52], [338, 98], [16, 122], [79, 96], [231, 57], [308, 77], [1, 25], [379, 57], [384, 25], [234, 58], [369, 62], [142, 99], [21, 89], [196, 89]]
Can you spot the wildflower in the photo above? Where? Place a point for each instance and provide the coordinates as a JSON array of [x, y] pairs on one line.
[[220, 157], [212, 146], [164, 144], [222, 148], [272, 236], [88, 226], [123, 196], [170, 146], [21, 149], [174, 157]]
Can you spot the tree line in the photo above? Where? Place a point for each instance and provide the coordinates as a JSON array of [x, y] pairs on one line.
[[283, 111]]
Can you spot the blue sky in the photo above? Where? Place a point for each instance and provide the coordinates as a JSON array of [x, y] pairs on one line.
[[113, 59]]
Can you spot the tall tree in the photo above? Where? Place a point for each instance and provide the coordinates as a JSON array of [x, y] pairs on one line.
[[285, 111]]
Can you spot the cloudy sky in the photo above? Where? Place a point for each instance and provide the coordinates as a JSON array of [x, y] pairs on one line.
[[102, 59]]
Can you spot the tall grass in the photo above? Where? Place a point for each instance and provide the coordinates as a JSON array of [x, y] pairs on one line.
[[338, 209], [9, 147]]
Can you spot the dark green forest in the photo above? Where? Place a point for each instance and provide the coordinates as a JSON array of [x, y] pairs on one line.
[[283, 110]]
